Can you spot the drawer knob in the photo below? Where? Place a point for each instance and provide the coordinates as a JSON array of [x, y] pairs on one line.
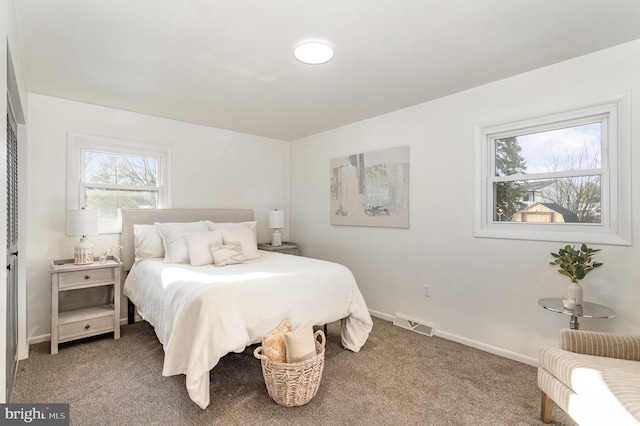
[[86, 277], [88, 326]]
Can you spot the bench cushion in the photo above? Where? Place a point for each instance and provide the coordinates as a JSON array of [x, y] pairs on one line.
[[609, 383]]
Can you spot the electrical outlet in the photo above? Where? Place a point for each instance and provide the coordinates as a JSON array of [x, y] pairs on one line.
[[426, 290]]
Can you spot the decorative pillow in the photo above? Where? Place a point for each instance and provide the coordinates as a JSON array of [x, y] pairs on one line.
[[244, 237], [273, 345], [199, 244], [175, 245], [228, 254], [147, 243], [300, 344], [252, 225]]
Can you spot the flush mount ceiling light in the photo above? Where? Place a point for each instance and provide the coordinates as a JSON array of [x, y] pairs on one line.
[[313, 52]]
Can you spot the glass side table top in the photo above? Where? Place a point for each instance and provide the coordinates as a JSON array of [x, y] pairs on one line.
[[586, 310]]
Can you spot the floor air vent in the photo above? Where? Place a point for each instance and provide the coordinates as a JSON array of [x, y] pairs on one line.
[[409, 324]]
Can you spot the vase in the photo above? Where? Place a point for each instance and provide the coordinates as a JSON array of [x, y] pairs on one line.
[[575, 292]]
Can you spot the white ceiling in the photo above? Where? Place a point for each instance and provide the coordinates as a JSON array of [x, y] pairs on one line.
[[229, 63]]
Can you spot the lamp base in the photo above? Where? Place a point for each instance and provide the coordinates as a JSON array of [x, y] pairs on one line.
[[83, 252], [276, 238]]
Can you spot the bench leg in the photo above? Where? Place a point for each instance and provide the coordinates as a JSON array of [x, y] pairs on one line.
[[546, 406]]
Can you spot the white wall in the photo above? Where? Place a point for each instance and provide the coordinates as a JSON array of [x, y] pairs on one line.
[[210, 168], [484, 291]]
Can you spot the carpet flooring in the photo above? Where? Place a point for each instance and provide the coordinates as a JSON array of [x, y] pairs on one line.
[[398, 378]]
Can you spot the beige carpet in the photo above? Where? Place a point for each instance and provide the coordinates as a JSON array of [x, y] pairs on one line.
[[398, 378]]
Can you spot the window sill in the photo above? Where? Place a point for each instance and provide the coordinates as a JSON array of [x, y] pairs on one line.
[[584, 234]]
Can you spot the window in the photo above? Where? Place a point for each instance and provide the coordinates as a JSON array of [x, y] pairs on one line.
[[558, 177], [109, 174]]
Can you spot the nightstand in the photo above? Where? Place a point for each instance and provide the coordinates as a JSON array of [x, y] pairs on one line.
[[78, 319], [286, 248]]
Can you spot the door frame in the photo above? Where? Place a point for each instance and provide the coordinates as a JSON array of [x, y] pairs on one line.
[[13, 93], [12, 262]]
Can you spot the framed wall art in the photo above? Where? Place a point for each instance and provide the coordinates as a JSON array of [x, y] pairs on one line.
[[371, 189]]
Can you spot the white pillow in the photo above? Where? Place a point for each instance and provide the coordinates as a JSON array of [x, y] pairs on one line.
[[147, 242], [228, 254], [198, 244], [175, 245], [300, 344], [232, 225], [244, 237]]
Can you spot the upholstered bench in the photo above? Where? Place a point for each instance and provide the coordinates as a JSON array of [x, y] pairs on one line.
[[593, 376]]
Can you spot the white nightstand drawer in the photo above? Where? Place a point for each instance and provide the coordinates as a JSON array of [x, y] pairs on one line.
[[85, 322], [80, 278]]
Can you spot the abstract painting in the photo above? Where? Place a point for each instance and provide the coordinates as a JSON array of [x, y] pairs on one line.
[[371, 189]]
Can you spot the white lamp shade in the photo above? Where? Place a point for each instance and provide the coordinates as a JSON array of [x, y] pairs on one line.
[[276, 219], [82, 222]]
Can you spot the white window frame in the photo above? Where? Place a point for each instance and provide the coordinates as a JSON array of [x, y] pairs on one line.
[[78, 143], [615, 171]]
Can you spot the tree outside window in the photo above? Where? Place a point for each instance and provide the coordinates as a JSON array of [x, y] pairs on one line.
[[510, 196], [107, 174], [113, 181]]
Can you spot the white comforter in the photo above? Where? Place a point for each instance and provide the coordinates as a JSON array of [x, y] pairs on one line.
[[202, 313]]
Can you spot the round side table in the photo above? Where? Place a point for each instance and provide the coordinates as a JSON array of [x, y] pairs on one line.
[[586, 310]]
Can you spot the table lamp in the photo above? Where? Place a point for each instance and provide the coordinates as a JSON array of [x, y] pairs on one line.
[[82, 223], [276, 222]]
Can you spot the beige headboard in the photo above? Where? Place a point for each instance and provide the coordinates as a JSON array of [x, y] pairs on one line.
[[151, 216]]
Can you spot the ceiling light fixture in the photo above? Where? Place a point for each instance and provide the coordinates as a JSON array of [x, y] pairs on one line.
[[313, 52]]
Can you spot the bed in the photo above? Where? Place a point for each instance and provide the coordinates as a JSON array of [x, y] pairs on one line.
[[201, 313]]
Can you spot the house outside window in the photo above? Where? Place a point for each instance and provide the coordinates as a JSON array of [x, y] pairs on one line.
[[108, 174], [558, 177]]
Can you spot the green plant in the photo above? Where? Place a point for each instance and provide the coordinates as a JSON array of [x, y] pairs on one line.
[[575, 264]]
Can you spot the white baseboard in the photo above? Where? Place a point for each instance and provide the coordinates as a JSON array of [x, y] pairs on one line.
[[488, 348], [381, 315], [40, 339], [470, 342]]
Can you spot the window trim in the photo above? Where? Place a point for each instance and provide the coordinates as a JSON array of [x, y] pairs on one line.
[[78, 143], [615, 172]]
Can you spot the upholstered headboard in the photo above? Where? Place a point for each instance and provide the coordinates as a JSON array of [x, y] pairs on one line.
[[151, 216]]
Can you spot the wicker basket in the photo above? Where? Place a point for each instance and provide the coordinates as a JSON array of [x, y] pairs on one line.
[[293, 384]]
